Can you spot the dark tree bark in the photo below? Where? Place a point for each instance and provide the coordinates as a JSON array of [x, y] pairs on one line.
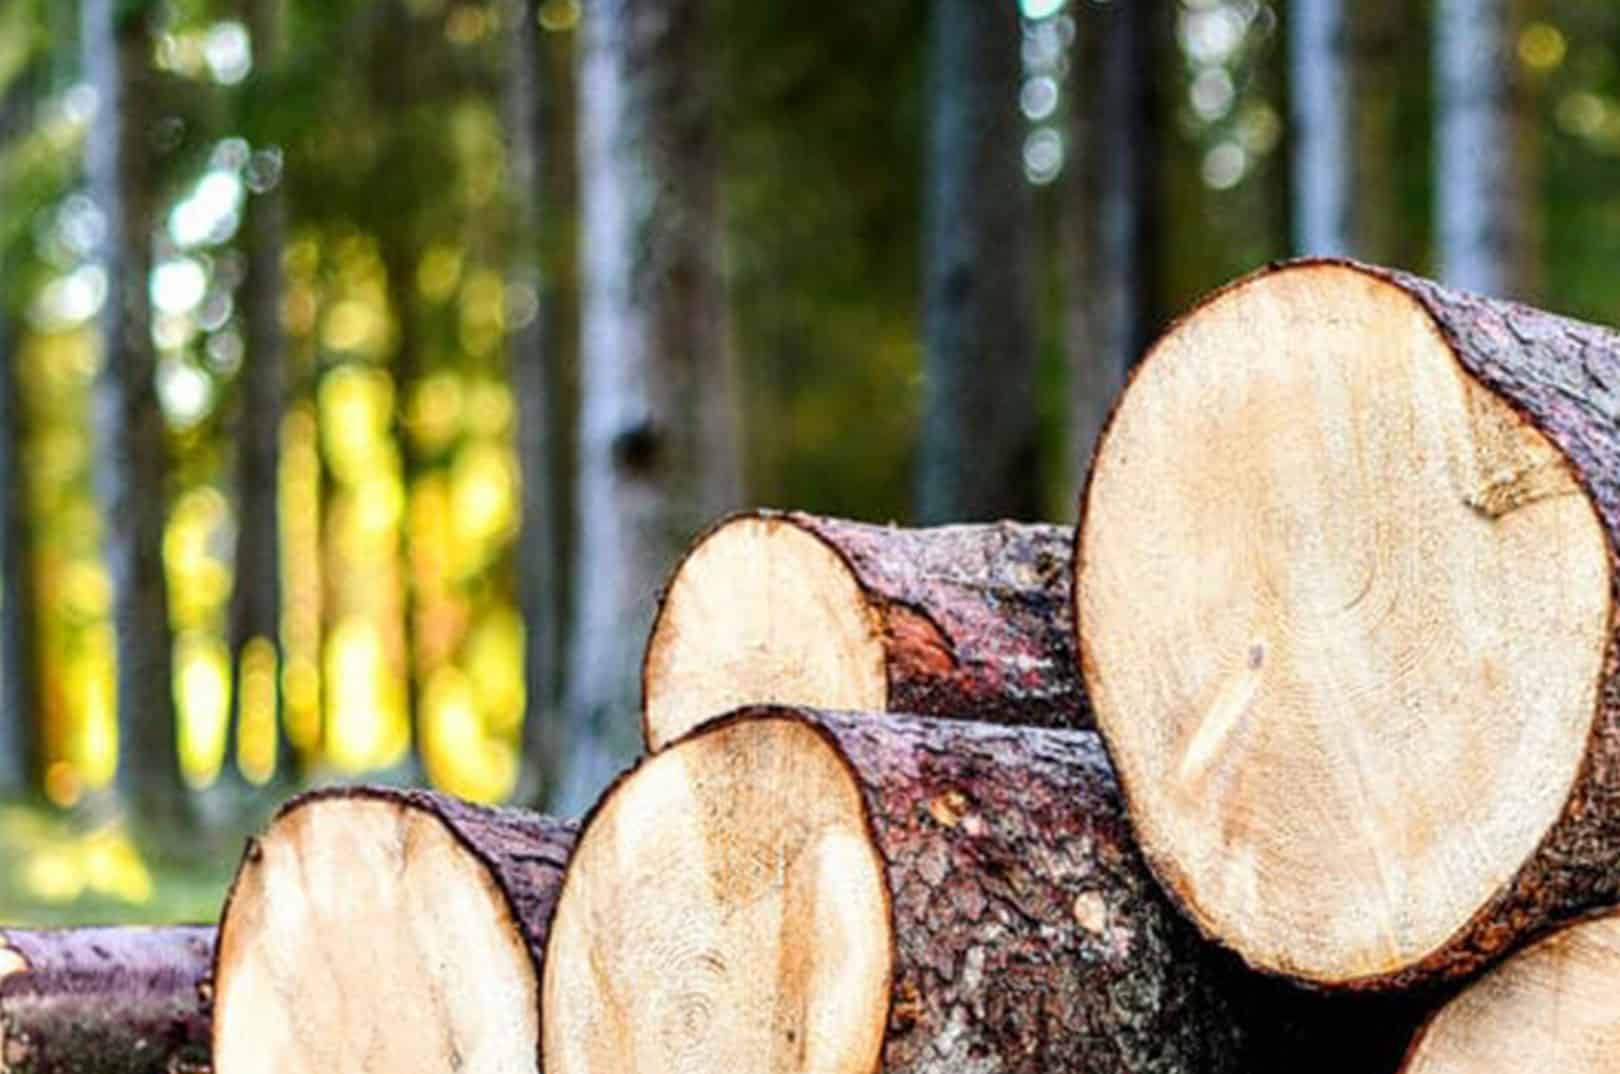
[[1482, 187], [255, 609], [533, 363], [1109, 209], [130, 450], [658, 428], [977, 456], [405, 896], [113, 1000], [20, 760], [968, 621]]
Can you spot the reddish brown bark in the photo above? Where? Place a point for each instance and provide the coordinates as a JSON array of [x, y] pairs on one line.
[[105, 1000], [1028, 934], [977, 619]]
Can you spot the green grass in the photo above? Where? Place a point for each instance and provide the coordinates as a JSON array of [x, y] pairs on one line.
[[80, 868]]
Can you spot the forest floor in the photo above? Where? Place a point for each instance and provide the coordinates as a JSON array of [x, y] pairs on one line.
[[78, 868]]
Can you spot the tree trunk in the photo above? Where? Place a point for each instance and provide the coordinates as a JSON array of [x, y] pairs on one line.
[[399, 265], [20, 760], [969, 621], [387, 932], [1108, 206], [1552, 1006], [534, 380], [1379, 41], [1348, 588], [977, 457], [255, 610], [108, 1000], [130, 449], [657, 447], [1483, 208], [1321, 135], [792, 890]]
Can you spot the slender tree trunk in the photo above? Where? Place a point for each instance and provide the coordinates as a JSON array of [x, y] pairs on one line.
[[1108, 210], [399, 264], [255, 611], [1483, 211], [1377, 31], [130, 449], [1321, 139], [534, 378], [655, 354], [977, 455], [19, 708]]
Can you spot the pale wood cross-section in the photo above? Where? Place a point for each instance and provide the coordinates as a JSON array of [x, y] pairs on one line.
[[968, 621], [378, 931], [1552, 1007], [1346, 602]]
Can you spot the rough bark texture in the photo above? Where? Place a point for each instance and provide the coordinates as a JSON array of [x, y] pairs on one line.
[[1108, 207], [130, 449], [20, 761], [977, 455], [105, 1000], [1319, 81], [525, 852], [1028, 933], [1485, 231], [255, 610], [657, 437], [977, 619], [532, 361], [1563, 376]]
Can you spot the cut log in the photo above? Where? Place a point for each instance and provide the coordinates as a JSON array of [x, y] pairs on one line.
[[105, 1000], [791, 891], [387, 932], [795, 609], [1552, 1006], [1347, 610]]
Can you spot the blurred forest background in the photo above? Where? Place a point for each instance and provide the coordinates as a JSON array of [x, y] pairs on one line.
[[366, 364]]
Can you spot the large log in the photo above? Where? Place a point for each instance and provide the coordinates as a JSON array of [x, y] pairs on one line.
[[796, 609], [1348, 593], [1553, 1006], [792, 891], [105, 1000], [387, 932]]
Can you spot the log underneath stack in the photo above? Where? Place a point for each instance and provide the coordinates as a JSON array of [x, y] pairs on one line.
[[387, 932], [791, 891], [105, 1000], [1553, 1006], [1349, 608], [796, 609]]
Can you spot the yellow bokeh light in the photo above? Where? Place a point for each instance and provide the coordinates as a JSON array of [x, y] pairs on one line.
[[203, 672], [257, 732], [1542, 46], [366, 727]]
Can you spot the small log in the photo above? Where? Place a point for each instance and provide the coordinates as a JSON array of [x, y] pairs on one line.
[[796, 609], [387, 931], [105, 1000], [788, 890], [1552, 1006], [1349, 611]]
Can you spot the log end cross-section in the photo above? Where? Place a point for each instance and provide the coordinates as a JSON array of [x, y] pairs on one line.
[[1346, 602]]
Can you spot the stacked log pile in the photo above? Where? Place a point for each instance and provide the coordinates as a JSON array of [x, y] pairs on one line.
[[1301, 752]]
